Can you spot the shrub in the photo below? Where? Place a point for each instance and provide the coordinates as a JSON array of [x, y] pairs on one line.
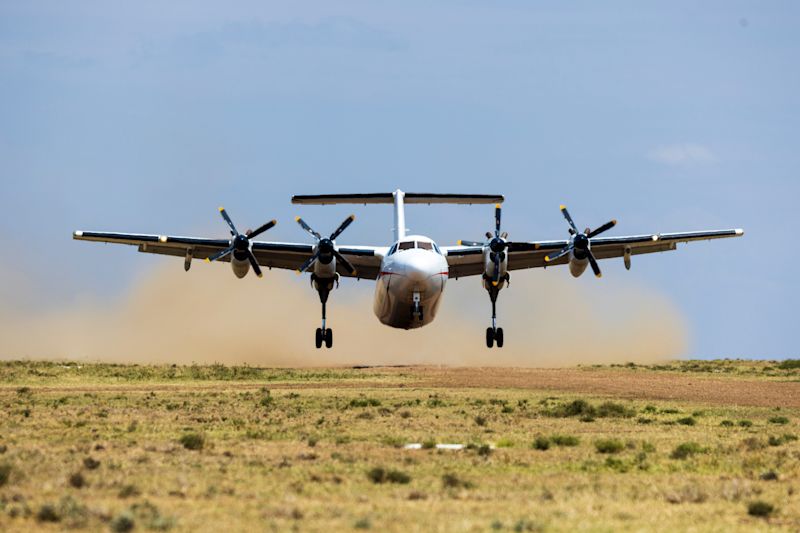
[[47, 513], [644, 420], [380, 475], [193, 441], [745, 423], [91, 463], [616, 464], [685, 450], [480, 420], [505, 442], [726, 423], [780, 420], [365, 402], [484, 450], [565, 440], [452, 481], [609, 446], [362, 523], [770, 475], [614, 410], [789, 364], [760, 508], [541, 443], [687, 421], [5, 473], [429, 444], [77, 480], [122, 523], [573, 408]]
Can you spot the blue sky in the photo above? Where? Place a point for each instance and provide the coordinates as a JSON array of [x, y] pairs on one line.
[[145, 117]]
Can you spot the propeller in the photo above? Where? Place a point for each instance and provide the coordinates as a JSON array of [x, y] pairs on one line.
[[497, 243], [240, 244], [580, 243], [325, 249]]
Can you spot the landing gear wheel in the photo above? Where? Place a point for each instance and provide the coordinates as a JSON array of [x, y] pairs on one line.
[[319, 338], [489, 337], [498, 337], [328, 338]]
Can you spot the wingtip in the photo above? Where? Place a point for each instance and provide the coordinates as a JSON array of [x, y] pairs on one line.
[[76, 234], [739, 232]]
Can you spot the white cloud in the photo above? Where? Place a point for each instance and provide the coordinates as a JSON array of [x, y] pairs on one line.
[[682, 154]]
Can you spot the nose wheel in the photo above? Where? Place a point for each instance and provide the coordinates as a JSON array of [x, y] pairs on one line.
[[324, 336], [494, 336]]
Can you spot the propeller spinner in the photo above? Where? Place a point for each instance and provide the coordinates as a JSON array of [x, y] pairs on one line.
[[580, 243], [240, 244], [325, 249]]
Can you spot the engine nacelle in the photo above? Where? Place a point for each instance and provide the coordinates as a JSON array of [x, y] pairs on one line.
[[489, 267], [240, 267], [325, 270], [577, 266]]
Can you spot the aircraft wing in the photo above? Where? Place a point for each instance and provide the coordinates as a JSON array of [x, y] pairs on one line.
[[284, 255], [468, 260]]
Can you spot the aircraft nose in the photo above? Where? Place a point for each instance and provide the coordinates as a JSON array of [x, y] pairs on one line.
[[419, 265]]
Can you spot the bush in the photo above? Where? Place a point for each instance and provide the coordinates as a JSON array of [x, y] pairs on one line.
[[760, 508], [365, 402], [505, 442], [541, 443], [452, 481], [5, 473], [614, 410], [726, 423], [573, 408], [480, 420], [745, 423], [565, 440], [685, 450], [780, 420], [380, 475], [429, 444], [609, 446], [484, 450], [687, 421], [122, 523], [789, 364], [193, 441], [77, 480]]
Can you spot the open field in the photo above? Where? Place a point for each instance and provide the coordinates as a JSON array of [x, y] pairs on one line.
[[698, 445]]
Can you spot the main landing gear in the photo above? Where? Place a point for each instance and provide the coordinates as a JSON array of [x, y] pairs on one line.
[[324, 335], [494, 335]]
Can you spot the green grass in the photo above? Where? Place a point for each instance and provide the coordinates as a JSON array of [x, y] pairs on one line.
[[156, 448]]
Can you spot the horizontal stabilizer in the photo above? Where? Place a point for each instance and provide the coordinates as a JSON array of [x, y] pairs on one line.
[[388, 198]]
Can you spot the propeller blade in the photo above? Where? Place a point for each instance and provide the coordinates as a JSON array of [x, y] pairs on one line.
[[470, 243], [345, 263], [569, 218], [343, 226], [561, 253], [228, 220], [262, 229], [605, 227], [593, 263], [308, 228], [308, 263], [219, 255], [497, 220], [254, 263], [489, 235], [496, 277]]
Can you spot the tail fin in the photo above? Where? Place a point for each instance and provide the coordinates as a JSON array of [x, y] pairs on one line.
[[398, 198]]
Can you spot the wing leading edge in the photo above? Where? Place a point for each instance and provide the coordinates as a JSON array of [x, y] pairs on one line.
[[283, 255], [468, 260]]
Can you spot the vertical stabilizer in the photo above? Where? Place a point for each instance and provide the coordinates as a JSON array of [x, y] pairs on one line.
[[399, 215]]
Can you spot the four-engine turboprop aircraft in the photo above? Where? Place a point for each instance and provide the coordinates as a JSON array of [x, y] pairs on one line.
[[412, 272]]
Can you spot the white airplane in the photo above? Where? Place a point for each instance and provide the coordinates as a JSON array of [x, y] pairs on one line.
[[412, 272]]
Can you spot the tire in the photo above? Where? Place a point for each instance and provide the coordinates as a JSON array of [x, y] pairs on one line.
[[489, 337], [328, 338], [319, 338], [498, 337]]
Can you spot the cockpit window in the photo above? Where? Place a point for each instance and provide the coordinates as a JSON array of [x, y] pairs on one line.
[[393, 249], [424, 245], [406, 245]]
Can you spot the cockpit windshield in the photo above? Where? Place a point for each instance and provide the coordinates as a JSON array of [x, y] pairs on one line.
[[410, 245]]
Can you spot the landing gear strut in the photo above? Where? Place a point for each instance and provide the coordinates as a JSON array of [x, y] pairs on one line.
[[324, 335], [416, 308], [494, 335]]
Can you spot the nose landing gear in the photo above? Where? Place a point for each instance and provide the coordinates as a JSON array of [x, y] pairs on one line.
[[494, 335], [416, 307], [324, 335]]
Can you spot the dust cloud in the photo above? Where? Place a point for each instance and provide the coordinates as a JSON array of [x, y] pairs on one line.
[[207, 316]]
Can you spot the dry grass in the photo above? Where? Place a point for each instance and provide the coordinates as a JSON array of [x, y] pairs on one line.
[[101, 447]]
